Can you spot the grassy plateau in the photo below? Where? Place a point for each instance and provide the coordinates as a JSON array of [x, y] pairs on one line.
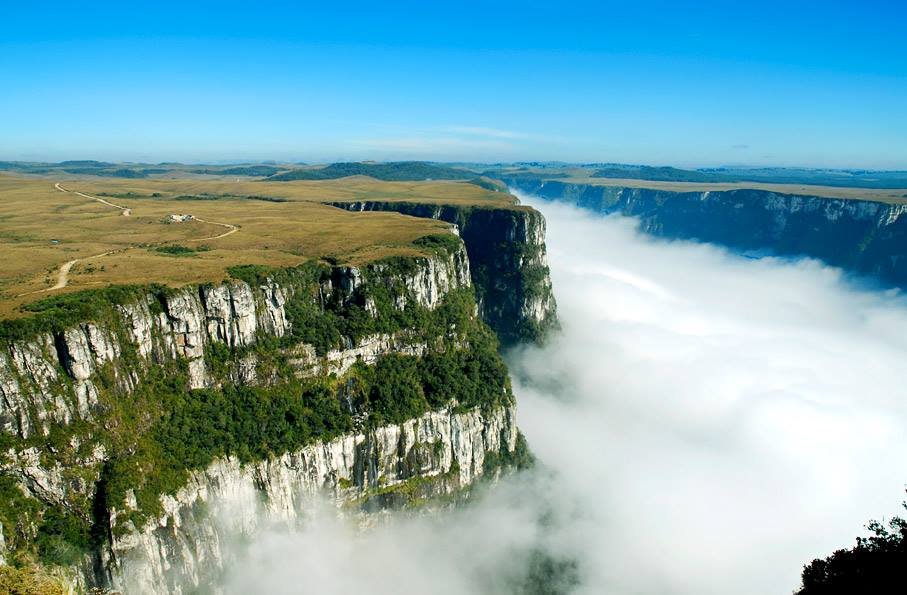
[[48, 222]]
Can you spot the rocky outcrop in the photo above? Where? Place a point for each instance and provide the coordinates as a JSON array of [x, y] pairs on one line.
[[195, 537], [861, 236], [49, 378], [94, 411], [508, 260], [338, 361]]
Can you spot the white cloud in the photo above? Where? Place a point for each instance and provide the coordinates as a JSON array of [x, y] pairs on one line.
[[483, 131], [429, 145], [452, 142], [711, 424], [726, 419]]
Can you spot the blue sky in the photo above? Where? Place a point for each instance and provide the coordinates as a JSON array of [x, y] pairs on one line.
[[704, 83]]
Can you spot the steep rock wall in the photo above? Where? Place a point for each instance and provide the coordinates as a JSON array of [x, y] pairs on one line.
[[509, 263], [60, 385], [49, 378], [190, 544], [861, 236]]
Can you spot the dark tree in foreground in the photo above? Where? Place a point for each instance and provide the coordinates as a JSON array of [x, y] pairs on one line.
[[876, 564]]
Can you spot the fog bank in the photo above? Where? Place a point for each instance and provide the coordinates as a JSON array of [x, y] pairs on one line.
[[704, 423], [726, 419]]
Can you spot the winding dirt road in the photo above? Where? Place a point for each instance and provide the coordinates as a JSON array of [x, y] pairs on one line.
[[230, 229], [126, 211], [63, 273]]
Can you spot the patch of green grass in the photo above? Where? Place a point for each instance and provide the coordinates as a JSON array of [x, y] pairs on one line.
[[177, 250], [447, 243]]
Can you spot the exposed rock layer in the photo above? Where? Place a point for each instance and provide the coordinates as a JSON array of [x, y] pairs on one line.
[[860, 236], [191, 542], [508, 260], [60, 379], [48, 378]]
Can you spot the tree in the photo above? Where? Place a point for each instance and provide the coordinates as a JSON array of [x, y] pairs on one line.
[[876, 564]]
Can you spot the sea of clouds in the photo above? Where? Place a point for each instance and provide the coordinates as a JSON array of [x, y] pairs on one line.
[[704, 424]]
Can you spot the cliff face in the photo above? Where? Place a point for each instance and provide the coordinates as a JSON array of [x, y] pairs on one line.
[[125, 423], [509, 263], [51, 377], [865, 237], [436, 454]]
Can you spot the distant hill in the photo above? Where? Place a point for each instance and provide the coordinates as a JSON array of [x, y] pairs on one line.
[[241, 170], [85, 163], [662, 174], [398, 171], [845, 178], [114, 172]]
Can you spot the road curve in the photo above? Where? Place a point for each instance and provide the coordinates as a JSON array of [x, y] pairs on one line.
[[230, 229], [126, 210], [63, 273]]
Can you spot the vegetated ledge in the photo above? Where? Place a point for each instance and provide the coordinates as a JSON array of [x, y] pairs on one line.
[[124, 410], [508, 261], [861, 236]]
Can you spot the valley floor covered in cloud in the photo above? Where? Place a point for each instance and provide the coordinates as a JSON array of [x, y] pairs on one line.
[[704, 423]]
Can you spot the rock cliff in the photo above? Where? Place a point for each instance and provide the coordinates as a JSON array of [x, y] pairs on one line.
[[433, 455], [49, 377], [128, 414], [861, 236], [509, 262]]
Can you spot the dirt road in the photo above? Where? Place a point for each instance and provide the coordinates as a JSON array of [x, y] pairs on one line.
[[126, 211], [63, 273]]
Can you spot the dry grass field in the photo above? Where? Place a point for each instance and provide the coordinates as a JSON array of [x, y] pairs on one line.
[[42, 228], [896, 196]]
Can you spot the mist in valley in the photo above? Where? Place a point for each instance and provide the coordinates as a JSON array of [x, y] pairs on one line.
[[703, 423]]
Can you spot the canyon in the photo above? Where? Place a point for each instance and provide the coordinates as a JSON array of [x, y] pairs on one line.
[[865, 237], [98, 398]]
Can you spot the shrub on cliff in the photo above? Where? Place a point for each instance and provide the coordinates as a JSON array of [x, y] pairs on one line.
[[28, 580]]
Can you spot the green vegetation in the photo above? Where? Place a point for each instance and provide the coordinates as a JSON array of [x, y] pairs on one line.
[[161, 431], [524, 174], [251, 423], [206, 196], [661, 174], [121, 172], [195, 427], [489, 184], [393, 171], [57, 313], [130, 195], [281, 225], [833, 178], [520, 458], [28, 580], [177, 250], [874, 565], [446, 243], [242, 170], [410, 493], [547, 573]]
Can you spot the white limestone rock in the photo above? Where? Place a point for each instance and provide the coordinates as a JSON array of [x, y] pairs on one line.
[[188, 544]]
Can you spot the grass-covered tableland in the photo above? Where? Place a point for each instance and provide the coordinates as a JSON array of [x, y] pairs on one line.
[[848, 178], [888, 187], [43, 229]]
